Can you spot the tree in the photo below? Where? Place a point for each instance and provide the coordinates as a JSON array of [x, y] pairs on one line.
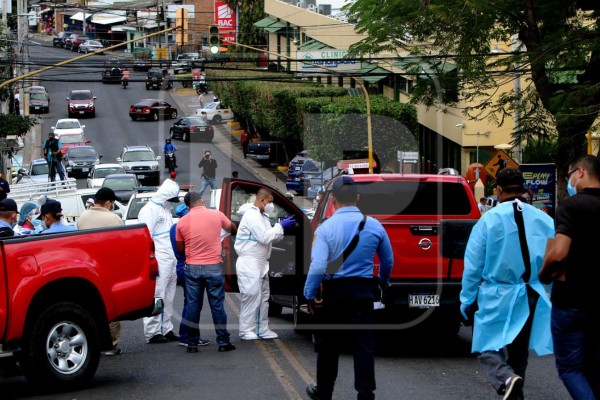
[[250, 12], [555, 52]]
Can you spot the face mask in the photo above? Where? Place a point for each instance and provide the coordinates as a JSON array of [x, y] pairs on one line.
[[168, 205], [572, 190], [269, 208], [37, 222]]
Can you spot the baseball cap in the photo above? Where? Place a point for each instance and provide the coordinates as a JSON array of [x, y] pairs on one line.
[[51, 206], [343, 184], [106, 194], [173, 174], [8, 205], [510, 178]]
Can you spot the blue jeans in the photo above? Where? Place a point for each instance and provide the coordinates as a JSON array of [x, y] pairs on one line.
[[206, 182], [199, 278], [55, 166], [576, 339]]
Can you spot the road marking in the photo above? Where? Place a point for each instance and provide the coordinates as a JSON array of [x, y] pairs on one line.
[[287, 385], [293, 360]]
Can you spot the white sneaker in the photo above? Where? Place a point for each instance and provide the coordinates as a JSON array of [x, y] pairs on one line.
[[268, 334], [248, 336]]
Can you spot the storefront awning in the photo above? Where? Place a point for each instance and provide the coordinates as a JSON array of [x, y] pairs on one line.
[[79, 16], [108, 20], [123, 28], [270, 24], [313, 45], [419, 66], [372, 73]]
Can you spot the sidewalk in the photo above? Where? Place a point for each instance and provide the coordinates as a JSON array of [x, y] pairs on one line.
[[229, 143]]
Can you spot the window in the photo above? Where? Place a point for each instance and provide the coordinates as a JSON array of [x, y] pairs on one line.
[[69, 139], [82, 152], [138, 156], [104, 172], [413, 198]]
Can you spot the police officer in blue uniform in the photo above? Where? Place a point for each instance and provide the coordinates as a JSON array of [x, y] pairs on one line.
[[348, 293]]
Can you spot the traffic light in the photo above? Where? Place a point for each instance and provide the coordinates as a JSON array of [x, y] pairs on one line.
[[213, 39], [181, 23]]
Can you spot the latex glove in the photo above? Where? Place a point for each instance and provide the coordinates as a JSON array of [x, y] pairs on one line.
[[464, 309], [288, 223], [314, 306]]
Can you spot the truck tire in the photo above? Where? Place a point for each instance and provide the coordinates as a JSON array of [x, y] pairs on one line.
[[62, 347]]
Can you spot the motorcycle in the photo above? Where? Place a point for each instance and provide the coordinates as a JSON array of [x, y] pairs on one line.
[[170, 160], [124, 83], [201, 87]]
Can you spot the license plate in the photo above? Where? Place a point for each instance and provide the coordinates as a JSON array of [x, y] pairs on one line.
[[423, 300], [141, 176], [81, 112], [37, 108], [297, 179], [85, 169]]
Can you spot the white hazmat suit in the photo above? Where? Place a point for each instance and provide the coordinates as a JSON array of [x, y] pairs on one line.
[[156, 214], [253, 243]]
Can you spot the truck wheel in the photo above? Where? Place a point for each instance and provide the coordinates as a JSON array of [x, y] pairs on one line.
[[62, 347]]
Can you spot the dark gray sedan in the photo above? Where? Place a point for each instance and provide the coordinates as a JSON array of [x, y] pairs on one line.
[[122, 184], [81, 159]]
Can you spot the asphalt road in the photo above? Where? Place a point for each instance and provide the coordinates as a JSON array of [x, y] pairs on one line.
[[422, 366]]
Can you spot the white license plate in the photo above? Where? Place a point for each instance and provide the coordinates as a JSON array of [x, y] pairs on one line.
[[297, 179], [81, 112], [423, 300], [85, 169], [37, 108], [141, 176]]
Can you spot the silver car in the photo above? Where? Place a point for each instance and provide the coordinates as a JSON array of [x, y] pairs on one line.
[[90, 46]]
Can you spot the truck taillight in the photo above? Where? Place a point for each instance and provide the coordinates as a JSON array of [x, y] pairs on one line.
[[153, 268]]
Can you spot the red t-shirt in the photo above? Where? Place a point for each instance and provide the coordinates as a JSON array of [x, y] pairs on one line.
[[201, 232]]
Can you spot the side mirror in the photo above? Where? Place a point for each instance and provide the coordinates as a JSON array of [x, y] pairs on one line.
[[87, 141], [118, 159], [99, 156], [82, 126], [22, 171], [52, 128], [67, 99], [157, 158], [95, 97]]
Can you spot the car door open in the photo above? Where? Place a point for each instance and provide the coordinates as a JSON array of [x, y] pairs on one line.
[[289, 257]]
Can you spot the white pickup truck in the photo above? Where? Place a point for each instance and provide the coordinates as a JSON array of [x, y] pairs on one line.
[[186, 61]]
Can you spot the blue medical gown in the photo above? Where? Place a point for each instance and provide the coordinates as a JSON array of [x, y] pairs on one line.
[[493, 274]]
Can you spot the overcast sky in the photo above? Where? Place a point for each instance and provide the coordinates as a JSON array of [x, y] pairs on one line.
[[335, 4]]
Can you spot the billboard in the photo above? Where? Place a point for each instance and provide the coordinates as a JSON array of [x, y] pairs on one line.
[[328, 58], [540, 184], [172, 10], [224, 17]]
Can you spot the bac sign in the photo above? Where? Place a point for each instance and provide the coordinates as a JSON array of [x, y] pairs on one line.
[[224, 17], [499, 161]]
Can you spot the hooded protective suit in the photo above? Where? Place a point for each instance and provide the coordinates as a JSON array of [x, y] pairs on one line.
[[156, 214], [493, 275], [253, 243]]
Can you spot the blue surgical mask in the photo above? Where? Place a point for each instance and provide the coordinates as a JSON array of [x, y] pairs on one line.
[[571, 190]]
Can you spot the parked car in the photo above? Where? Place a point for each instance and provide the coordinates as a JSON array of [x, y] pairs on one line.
[[39, 103], [152, 109], [300, 170], [123, 185], [80, 160], [317, 181], [68, 40], [267, 152], [188, 128], [101, 171], [37, 172], [142, 162], [59, 40], [76, 40], [69, 140], [142, 64], [216, 112], [186, 61], [81, 102], [38, 89], [138, 200], [90, 46], [67, 125], [113, 71], [158, 79]]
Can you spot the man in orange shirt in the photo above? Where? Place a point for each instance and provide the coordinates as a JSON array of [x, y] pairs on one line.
[[198, 236]]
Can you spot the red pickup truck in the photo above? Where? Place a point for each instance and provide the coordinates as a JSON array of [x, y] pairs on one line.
[[59, 291], [425, 281]]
